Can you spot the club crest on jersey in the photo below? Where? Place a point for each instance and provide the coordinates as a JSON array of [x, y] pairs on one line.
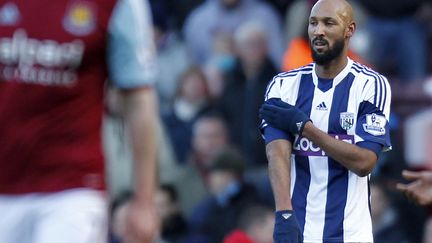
[[80, 18], [346, 120], [375, 124], [9, 14]]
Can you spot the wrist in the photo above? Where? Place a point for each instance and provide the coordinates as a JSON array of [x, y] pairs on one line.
[[281, 212]]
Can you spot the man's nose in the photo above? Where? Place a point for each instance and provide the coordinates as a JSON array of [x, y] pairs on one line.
[[319, 30]]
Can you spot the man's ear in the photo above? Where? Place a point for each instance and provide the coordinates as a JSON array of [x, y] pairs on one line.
[[350, 29]]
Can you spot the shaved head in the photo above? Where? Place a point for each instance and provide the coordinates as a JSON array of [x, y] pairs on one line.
[[331, 25], [340, 8]]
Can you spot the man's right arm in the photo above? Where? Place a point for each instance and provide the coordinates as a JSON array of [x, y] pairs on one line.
[[286, 227], [279, 159]]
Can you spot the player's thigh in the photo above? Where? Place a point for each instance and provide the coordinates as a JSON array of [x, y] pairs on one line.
[[76, 216], [16, 219]]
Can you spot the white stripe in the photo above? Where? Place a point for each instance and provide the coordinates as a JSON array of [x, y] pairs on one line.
[[317, 195]]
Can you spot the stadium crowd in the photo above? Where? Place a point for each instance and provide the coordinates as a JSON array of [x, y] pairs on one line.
[[215, 59]]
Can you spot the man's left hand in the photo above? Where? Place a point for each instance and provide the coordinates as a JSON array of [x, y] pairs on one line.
[[283, 116]]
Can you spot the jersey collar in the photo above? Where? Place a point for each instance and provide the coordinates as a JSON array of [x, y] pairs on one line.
[[338, 77]]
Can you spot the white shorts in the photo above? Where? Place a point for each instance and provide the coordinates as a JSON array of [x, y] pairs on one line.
[[72, 216]]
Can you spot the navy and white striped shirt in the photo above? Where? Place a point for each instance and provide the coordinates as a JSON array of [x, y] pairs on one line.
[[332, 204]]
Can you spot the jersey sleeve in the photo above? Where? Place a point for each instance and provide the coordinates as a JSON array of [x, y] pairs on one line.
[[130, 51], [270, 133], [374, 112]]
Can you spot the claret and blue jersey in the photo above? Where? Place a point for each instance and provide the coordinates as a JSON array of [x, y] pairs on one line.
[[55, 58], [331, 202]]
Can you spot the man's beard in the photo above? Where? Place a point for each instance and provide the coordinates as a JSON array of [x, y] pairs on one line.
[[329, 55]]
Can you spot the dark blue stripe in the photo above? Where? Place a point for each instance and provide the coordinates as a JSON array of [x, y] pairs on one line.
[[269, 86], [383, 88], [337, 190], [385, 94], [380, 93], [340, 104], [356, 68], [305, 68], [301, 188], [337, 185], [376, 89], [296, 71], [365, 85], [305, 94], [303, 176]]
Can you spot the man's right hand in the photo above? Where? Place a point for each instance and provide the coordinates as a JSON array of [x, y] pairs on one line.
[[287, 229], [142, 223]]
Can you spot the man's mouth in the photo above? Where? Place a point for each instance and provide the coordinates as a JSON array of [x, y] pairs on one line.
[[320, 43]]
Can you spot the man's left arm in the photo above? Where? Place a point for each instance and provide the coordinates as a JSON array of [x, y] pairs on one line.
[[359, 160]]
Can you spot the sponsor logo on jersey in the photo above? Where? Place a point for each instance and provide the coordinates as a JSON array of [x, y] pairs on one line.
[[321, 107], [346, 120], [375, 124], [80, 18], [9, 14], [44, 62], [305, 147]]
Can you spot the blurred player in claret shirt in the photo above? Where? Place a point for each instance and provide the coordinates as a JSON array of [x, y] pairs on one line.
[[325, 125], [55, 57]]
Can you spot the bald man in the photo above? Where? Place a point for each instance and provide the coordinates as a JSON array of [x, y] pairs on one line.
[[325, 125]]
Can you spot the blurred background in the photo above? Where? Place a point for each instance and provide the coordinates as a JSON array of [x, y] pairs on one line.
[[215, 58]]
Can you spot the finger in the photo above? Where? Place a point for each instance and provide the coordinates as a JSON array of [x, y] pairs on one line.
[[267, 115], [270, 108], [411, 175], [401, 187], [283, 104]]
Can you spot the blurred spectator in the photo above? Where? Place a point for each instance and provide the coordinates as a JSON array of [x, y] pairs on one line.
[[418, 140], [398, 38], [217, 215], [385, 220], [427, 231], [244, 90], [174, 226], [255, 226], [216, 78], [280, 5], [214, 17], [192, 98], [170, 49], [178, 10], [221, 61], [209, 136], [118, 152]]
